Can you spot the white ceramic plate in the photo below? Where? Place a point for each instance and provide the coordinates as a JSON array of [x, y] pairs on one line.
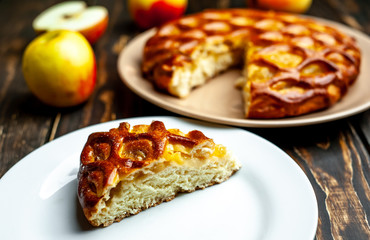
[[269, 198], [220, 102]]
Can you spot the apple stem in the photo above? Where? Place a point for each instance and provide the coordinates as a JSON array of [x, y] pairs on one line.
[[68, 16], [71, 15]]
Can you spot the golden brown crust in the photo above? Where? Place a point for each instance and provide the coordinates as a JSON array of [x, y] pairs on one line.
[[107, 156], [328, 61]]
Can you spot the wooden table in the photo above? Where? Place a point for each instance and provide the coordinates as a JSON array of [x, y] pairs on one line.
[[334, 156]]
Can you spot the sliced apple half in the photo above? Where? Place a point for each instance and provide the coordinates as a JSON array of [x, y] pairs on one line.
[[90, 21]]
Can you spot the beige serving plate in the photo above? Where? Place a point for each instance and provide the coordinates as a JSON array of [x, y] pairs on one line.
[[220, 102]]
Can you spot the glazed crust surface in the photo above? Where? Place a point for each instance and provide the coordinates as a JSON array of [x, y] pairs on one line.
[[108, 157], [293, 64]]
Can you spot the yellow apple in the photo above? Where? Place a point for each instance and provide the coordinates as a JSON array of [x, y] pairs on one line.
[[294, 6], [59, 68], [75, 16], [151, 13]]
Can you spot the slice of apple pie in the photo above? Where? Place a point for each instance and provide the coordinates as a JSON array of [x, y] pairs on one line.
[[127, 170]]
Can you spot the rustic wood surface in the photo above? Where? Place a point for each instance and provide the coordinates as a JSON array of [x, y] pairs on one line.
[[334, 156]]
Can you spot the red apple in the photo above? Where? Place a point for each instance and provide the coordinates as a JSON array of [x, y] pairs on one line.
[[59, 68], [294, 6], [151, 13], [75, 16]]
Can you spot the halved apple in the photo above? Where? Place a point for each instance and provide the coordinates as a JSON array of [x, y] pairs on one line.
[[90, 21]]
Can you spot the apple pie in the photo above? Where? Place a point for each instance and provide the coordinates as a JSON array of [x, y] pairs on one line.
[[129, 169], [291, 65]]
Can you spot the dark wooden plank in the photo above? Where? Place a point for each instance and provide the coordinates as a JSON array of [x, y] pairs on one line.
[[353, 13], [356, 15], [24, 121], [363, 123], [337, 164], [360, 11]]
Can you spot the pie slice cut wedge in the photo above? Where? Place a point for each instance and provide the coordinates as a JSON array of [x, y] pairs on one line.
[[129, 169]]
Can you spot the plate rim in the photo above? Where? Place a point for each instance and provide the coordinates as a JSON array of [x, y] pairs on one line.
[[292, 164], [298, 121]]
